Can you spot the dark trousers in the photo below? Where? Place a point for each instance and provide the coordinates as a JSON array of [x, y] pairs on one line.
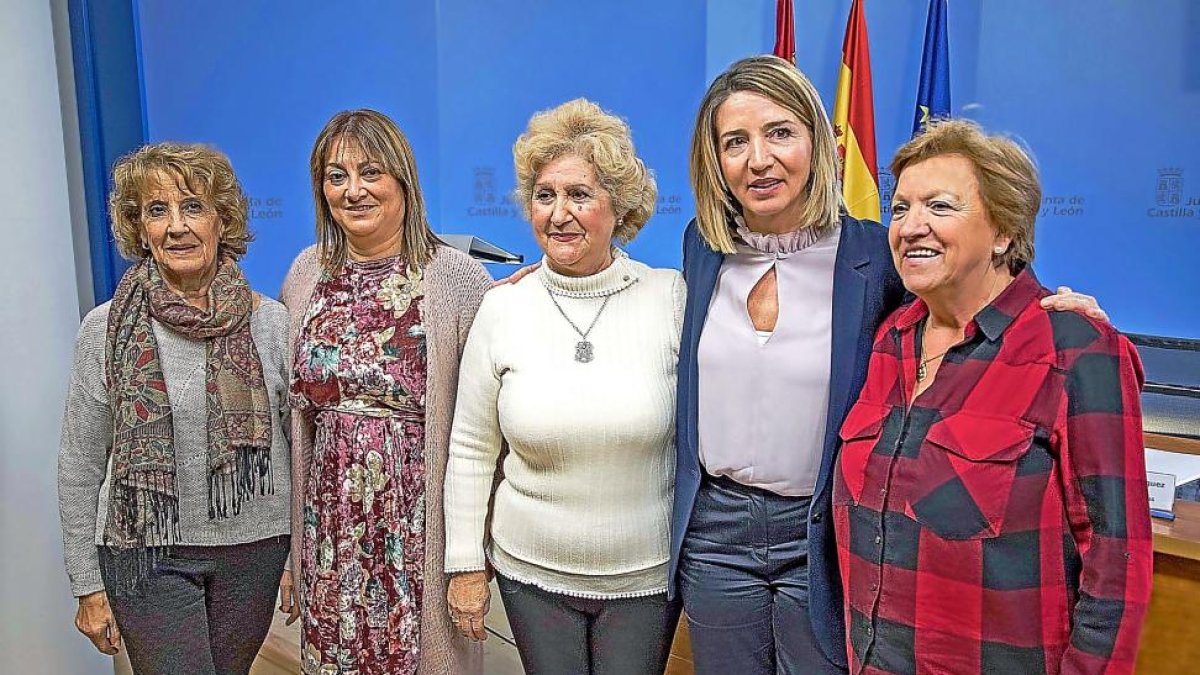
[[743, 577], [204, 610], [561, 635]]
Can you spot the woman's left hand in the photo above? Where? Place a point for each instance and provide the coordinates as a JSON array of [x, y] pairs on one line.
[[1067, 300], [289, 599]]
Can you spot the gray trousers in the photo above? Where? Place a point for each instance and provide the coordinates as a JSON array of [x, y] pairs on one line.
[[204, 610], [561, 635], [743, 577]]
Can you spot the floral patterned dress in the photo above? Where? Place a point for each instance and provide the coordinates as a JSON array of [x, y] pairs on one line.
[[360, 373]]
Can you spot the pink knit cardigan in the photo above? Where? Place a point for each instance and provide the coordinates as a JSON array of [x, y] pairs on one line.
[[454, 287]]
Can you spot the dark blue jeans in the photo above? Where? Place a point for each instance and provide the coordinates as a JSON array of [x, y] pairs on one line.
[[205, 610], [560, 635], [743, 577]]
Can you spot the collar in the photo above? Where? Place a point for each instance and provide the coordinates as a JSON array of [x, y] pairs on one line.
[[613, 279], [994, 318], [778, 245]]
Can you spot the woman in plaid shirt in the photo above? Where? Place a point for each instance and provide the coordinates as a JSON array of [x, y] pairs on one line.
[[990, 501]]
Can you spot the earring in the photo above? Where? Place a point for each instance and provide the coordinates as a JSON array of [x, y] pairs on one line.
[[620, 222], [998, 250]]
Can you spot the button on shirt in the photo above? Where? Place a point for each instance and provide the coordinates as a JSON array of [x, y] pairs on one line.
[[1000, 524]]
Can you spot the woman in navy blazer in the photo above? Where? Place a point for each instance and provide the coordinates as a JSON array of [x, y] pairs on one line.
[[763, 154], [754, 560]]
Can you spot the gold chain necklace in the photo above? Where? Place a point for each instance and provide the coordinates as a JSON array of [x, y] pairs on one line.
[[922, 371]]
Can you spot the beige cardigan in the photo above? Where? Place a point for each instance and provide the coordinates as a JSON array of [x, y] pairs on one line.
[[454, 287]]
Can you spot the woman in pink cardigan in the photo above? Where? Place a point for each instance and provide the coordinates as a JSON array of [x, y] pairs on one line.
[[379, 312]]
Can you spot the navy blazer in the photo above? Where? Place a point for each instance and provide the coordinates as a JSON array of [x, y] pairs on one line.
[[866, 289]]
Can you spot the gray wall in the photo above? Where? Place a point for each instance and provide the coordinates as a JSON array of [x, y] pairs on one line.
[[39, 313]]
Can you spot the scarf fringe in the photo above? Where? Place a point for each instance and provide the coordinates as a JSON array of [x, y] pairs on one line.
[[143, 525], [130, 569], [250, 474]]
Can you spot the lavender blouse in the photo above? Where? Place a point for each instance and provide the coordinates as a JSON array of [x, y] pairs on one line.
[[763, 403]]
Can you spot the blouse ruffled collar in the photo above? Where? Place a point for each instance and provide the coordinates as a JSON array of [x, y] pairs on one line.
[[784, 244]]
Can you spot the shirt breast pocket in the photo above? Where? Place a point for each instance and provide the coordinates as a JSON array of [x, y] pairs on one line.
[[860, 434], [968, 465]]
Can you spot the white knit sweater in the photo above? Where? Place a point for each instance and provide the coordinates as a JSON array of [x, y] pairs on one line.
[[584, 504]]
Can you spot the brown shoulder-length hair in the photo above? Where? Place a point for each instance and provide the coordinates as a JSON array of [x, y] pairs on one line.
[[1008, 180], [779, 81], [202, 170], [382, 141]]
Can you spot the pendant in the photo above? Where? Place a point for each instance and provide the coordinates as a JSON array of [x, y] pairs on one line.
[[921, 372], [583, 351]]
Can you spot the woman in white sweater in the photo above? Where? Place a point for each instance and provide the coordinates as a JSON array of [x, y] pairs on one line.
[[573, 367]]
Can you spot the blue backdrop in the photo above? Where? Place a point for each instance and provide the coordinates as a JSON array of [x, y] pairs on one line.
[[1105, 93]]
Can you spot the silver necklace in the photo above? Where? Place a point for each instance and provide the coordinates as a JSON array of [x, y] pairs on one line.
[[583, 349]]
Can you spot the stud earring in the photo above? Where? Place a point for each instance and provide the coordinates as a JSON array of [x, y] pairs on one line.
[[998, 250]]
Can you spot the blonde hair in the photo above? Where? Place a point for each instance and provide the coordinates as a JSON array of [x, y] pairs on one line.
[[784, 85], [203, 170], [583, 129], [381, 141], [1008, 180]]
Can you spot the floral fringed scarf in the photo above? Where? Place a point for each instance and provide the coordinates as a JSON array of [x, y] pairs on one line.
[[143, 502]]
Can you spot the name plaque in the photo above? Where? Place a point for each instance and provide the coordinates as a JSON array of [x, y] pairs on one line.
[[1162, 494]]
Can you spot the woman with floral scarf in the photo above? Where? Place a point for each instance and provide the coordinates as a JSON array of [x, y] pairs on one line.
[[174, 479]]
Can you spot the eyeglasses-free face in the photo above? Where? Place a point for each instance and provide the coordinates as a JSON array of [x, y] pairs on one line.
[[366, 202], [572, 216]]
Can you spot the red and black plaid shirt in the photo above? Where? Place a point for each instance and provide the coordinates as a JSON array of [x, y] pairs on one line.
[[1000, 524]]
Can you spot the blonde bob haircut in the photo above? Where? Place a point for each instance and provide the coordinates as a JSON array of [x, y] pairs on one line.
[[779, 81], [198, 169], [383, 142], [1008, 180], [583, 129]]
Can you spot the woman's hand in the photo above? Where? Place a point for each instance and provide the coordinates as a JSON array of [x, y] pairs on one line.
[[518, 275], [468, 598], [95, 620], [1066, 300], [289, 599]]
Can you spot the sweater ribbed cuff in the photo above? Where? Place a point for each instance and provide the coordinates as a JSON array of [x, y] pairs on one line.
[[464, 563], [86, 584]]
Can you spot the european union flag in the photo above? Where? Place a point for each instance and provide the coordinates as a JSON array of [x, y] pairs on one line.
[[933, 90]]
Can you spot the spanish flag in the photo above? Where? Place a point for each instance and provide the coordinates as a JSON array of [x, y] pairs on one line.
[[854, 121], [785, 31]]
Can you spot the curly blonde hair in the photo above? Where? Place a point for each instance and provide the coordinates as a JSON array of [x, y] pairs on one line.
[[583, 129], [1008, 180], [203, 170]]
